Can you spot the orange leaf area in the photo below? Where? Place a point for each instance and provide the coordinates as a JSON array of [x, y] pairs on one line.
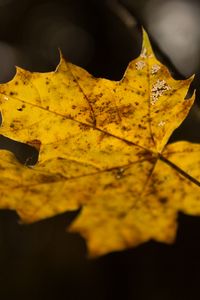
[[102, 148]]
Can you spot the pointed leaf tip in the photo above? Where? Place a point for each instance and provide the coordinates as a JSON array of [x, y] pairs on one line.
[[146, 44]]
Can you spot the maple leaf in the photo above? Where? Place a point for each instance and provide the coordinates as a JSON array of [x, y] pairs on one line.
[[102, 148]]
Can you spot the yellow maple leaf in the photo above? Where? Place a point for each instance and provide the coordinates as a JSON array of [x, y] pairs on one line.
[[103, 148]]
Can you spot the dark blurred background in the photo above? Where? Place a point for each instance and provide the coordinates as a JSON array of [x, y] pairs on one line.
[[42, 261]]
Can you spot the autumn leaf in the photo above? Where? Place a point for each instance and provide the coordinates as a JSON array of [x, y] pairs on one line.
[[103, 149]]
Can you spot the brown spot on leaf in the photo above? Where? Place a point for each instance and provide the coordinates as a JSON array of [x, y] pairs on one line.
[[84, 127], [163, 200], [49, 178], [35, 143], [126, 110], [12, 93]]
